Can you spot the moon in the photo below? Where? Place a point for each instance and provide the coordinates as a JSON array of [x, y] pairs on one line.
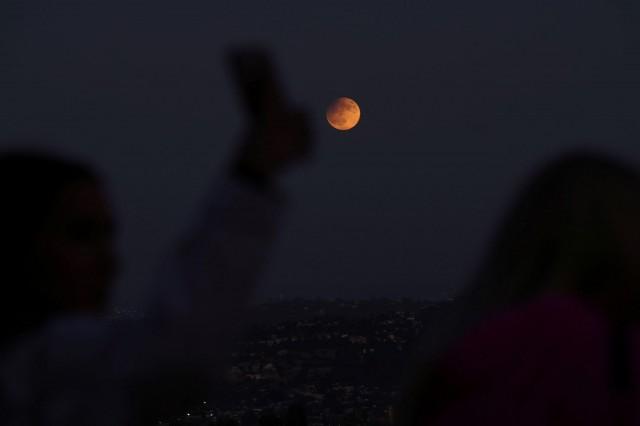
[[343, 114]]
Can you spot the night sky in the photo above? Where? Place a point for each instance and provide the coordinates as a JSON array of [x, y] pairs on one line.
[[460, 99]]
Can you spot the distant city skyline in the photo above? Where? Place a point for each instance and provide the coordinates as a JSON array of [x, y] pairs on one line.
[[322, 357]]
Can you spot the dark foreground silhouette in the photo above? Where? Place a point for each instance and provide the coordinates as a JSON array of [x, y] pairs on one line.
[[548, 333]]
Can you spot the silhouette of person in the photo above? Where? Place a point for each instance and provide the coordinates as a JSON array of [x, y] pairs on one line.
[[60, 363], [545, 335], [57, 228]]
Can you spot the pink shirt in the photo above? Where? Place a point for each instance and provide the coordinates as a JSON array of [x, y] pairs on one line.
[[545, 363]]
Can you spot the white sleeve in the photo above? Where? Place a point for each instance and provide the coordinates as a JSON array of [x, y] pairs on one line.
[[204, 286], [134, 372], [206, 283]]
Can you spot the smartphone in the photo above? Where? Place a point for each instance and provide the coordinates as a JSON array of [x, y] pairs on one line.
[[255, 78]]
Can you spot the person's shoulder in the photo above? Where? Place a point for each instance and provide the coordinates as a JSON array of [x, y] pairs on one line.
[[549, 316], [16, 369], [26, 361], [66, 342], [551, 325]]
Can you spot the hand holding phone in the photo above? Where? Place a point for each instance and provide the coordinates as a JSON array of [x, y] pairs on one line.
[[278, 134], [256, 81]]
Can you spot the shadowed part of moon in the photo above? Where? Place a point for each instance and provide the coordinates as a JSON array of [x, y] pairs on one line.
[[343, 114]]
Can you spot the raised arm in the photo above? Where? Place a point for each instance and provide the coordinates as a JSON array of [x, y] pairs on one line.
[[209, 280]]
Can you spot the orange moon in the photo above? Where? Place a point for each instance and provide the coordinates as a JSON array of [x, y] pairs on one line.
[[343, 114]]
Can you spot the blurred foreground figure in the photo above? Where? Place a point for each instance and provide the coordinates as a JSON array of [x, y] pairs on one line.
[[62, 365], [548, 334]]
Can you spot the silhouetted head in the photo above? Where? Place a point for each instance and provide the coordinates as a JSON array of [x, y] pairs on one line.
[[56, 251], [575, 227]]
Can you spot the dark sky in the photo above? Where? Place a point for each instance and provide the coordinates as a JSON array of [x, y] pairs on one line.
[[461, 100]]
